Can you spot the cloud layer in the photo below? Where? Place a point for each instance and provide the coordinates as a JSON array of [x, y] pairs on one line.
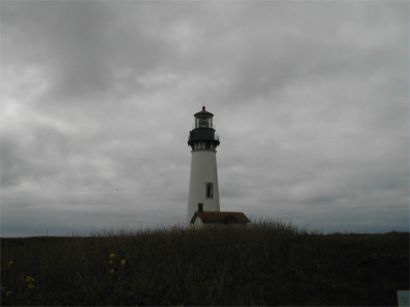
[[310, 100]]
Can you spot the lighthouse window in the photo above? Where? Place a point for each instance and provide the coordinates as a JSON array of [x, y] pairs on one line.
[[203, 123], [209, 190]]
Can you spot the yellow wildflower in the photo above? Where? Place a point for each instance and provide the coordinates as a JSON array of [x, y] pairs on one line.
[[123, 261], [30, 279], [112, 255], [31, 282], [111, 271]]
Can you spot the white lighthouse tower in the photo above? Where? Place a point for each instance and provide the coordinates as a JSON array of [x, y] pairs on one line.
[[203, 184]]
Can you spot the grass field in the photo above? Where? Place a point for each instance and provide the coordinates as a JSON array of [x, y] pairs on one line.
[[264, 264]]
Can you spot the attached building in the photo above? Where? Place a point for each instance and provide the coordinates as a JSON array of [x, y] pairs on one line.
[[218, 218]]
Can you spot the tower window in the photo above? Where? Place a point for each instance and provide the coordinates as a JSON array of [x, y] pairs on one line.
[[209, 190]]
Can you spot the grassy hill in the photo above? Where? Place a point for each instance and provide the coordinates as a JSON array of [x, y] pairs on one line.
[[264, 264]]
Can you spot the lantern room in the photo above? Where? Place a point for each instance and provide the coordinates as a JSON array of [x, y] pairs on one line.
[[203, 119], [203, 136]]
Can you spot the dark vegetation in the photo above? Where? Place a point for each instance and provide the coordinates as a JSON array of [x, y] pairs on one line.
[[264, 264]]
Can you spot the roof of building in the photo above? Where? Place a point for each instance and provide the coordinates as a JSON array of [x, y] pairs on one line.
[[220, 217], [203, 113]]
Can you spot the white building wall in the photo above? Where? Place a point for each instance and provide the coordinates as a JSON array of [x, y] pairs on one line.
[[198, 223], [203, 170]]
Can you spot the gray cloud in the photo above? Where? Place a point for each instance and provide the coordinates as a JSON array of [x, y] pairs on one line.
[[310, 100]]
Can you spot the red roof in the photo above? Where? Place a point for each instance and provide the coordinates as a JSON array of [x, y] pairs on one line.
[[220, 217]]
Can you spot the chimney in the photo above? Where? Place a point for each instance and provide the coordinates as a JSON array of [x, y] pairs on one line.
[[203, 108], [200, 207]]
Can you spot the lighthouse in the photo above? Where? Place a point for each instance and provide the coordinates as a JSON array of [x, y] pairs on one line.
[[203, 183]]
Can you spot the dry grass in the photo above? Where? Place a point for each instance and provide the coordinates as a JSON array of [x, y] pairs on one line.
[[265, 264]]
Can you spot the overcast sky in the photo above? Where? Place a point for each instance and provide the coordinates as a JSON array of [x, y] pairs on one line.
[[310, 100]]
